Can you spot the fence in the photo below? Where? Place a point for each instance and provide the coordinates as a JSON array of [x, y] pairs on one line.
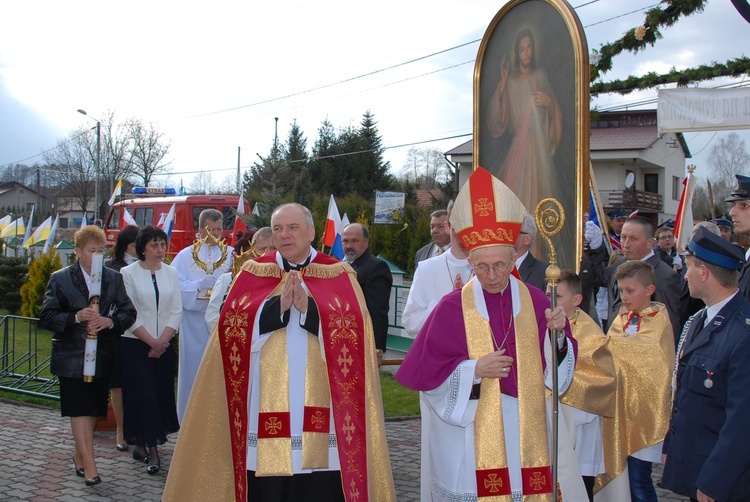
[[25, 359]]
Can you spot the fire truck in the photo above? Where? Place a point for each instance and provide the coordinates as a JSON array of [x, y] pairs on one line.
[[149, 206]]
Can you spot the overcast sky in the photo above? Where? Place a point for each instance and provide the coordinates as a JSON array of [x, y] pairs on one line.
[[212, 76]]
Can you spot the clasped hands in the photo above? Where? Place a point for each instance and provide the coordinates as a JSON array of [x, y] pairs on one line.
[[94, 320], [159, 346], [294, 294], [497, 365]]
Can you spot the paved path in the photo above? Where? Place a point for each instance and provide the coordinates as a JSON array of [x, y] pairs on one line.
[[36, 448]]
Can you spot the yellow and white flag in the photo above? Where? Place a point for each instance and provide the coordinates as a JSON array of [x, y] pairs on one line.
[[14, 229], [116, 193], [40, 234], [5, 221]]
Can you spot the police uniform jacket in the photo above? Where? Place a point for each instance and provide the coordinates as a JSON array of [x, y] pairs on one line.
[[708, 442]]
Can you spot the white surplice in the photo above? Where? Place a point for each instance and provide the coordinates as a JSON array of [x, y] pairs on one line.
[[448, 457], [193, 330], [432, 280]]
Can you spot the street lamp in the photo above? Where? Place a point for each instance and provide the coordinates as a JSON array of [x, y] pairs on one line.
[[98, 162]]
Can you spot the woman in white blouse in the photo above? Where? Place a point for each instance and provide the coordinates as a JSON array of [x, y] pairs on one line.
[[147, 354]]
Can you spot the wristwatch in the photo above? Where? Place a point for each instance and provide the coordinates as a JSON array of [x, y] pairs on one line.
[[380, 352]]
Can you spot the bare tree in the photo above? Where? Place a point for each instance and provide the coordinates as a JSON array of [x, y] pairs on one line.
[[149, 148], [72, 165], [729, 156], [201, 183], [426, 167], [117, 153]]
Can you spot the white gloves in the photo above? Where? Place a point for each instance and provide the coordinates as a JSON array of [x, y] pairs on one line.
[[207, 283], [592, 234], [677, 262]]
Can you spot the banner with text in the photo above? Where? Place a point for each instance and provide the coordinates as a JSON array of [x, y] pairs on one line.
[[687, 110], [389, 207]]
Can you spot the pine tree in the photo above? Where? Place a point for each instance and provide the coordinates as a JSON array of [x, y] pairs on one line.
[[12, 274], [32, 293]]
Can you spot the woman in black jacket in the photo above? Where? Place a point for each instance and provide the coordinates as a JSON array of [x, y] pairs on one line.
[[66, 312], [124, 255]]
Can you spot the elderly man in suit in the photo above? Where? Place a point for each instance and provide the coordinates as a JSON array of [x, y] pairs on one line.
[[637, 240], [441, 238], [707, 447], [374, 277], [531, 270]]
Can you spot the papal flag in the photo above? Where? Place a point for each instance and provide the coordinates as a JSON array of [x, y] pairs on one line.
[[116, 193], [51, 236], [5, 221], [14, 229], [41, 233]]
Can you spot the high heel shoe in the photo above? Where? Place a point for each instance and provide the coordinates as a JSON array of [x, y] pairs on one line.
[[122, 446], [79, 470], [138, 456], [154, 468], [93, 481]]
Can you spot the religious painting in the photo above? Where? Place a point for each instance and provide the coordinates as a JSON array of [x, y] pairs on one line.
[[531, 113]]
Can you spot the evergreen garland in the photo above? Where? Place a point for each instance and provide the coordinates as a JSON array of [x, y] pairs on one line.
[[732, 68], [638, 38]]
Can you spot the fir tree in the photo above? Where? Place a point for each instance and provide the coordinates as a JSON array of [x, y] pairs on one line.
[[40, 270], [12, 274]]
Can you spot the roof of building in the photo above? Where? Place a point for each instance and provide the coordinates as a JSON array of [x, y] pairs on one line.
[[428, 197], [462, 149]]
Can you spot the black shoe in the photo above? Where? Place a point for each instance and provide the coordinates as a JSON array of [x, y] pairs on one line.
[[154, 468], [140, 457], [93, 481], [79, 470]]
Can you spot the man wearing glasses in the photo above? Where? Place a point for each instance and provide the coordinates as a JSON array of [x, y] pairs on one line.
[[665, 245], [483, 350]]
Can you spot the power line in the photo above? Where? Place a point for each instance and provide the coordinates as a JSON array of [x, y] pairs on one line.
[[333, 156]]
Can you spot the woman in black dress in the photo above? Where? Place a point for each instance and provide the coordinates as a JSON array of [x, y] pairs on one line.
[[147, 351], [66, 311], [124, 255]]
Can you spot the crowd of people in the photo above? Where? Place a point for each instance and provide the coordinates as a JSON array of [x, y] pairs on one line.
[[279, 349]]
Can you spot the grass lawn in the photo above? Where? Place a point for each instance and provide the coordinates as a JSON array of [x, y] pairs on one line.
[[398, 401]]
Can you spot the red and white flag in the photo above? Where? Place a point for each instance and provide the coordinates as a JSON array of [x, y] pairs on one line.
[[683, 224], [239, 224]]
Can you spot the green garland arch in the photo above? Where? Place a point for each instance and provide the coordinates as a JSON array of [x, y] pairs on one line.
[[657, 18]]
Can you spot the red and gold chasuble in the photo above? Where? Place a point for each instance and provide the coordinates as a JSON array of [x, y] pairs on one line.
[[493, 477], [345, 342]]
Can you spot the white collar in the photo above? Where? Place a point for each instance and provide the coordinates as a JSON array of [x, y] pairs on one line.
[[521, 258]]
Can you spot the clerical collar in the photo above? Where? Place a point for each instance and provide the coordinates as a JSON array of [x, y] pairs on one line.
[[287, 266]]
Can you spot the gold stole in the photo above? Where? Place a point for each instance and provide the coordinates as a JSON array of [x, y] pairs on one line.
[[274, 419], [493, 476]]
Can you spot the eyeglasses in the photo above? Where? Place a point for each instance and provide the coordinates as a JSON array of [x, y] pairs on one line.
[[665, 237], [498, 268]]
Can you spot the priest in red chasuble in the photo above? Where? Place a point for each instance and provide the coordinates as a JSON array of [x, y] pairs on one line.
[[482, 365], [287, 405]]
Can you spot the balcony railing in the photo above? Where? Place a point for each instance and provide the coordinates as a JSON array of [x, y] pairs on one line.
[[633, 199]]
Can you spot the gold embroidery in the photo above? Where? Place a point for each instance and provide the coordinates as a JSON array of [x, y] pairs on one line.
[[354, 492], [342, 321], [235, 358], [493, 482], [484, 207], [273, 426], [538, 480], [500, 235], [348, 427], [345, 360], [317, 420]]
